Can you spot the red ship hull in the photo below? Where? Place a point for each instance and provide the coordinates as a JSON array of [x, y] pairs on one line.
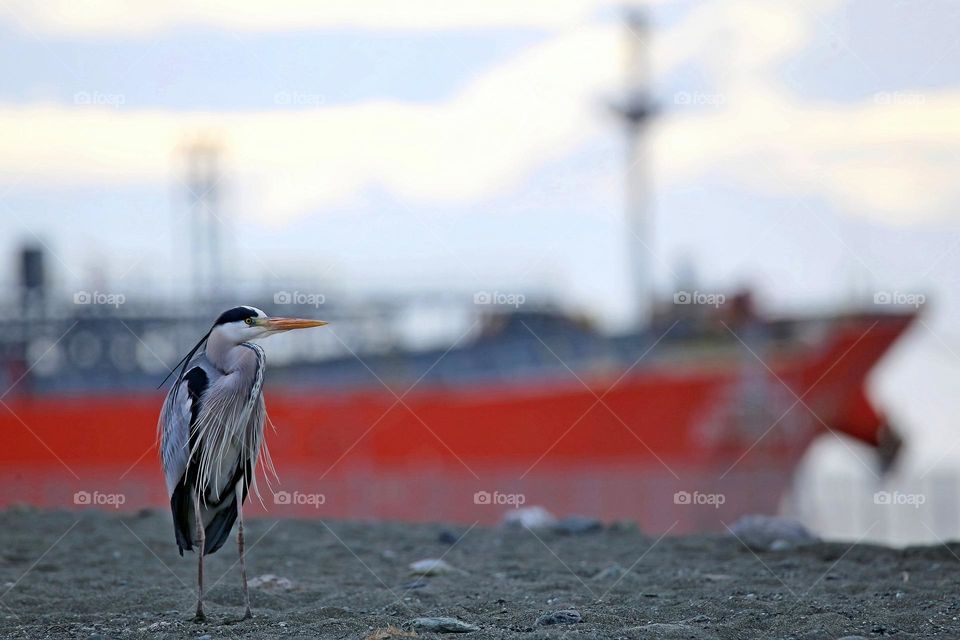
[[679, 445]]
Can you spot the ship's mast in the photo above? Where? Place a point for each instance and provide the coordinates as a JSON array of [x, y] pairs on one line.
[[636, 110], [203, 199]]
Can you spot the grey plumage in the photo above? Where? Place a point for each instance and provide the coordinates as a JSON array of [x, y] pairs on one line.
[[211, 439], [211, 431]]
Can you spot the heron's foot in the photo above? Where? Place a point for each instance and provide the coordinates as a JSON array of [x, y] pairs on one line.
[[247, 615], [199, 617]]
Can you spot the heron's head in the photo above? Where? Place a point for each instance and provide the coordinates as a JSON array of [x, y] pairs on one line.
[[243, 324], [239, 325]]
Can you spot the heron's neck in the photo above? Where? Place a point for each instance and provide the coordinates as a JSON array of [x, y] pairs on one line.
[[225, 354]]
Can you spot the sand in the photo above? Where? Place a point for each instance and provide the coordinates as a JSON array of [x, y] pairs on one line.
[[95, 574]]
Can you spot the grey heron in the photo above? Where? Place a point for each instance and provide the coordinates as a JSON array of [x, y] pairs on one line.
[[211, 433]]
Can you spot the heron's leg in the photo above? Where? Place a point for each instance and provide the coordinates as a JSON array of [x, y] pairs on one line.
[[201, 539], [243, 564]]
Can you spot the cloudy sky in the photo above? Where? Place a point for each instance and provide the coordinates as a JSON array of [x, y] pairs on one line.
[[810, 150]]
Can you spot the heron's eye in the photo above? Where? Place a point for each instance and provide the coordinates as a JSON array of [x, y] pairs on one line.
[[249, 322]]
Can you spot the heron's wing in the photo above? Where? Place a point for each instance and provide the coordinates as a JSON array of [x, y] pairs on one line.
[[179, 414], [178, 433]]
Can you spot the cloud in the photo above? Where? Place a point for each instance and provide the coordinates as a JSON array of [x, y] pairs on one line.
[[889, 156], [483, 141], [125, 19], [896, 163]]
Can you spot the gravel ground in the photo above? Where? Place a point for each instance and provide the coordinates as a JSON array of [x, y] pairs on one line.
[[105, 575]]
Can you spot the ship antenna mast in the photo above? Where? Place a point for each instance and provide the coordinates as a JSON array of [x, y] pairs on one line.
[[635, 109], [203, 199]]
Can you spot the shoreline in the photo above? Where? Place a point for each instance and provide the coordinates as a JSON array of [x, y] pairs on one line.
[[95, 574]]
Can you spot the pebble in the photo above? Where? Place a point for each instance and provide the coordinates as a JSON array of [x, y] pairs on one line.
[[205, 636], [717, 577], [564, 616], [270, 582], [781, 545], [431, 567], [852, 638], [577, 525], [623, 526], [447, 537], [441, 625], [415, 584], [535, 517], [389, 632], [771, 533], [613, 572]]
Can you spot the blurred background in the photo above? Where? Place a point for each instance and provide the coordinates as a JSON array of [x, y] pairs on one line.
[[672, 262]]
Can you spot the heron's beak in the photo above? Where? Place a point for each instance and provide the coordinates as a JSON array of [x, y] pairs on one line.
[[286, 324]]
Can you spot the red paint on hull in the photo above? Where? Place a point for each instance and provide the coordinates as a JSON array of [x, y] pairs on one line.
[[727, 425]]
